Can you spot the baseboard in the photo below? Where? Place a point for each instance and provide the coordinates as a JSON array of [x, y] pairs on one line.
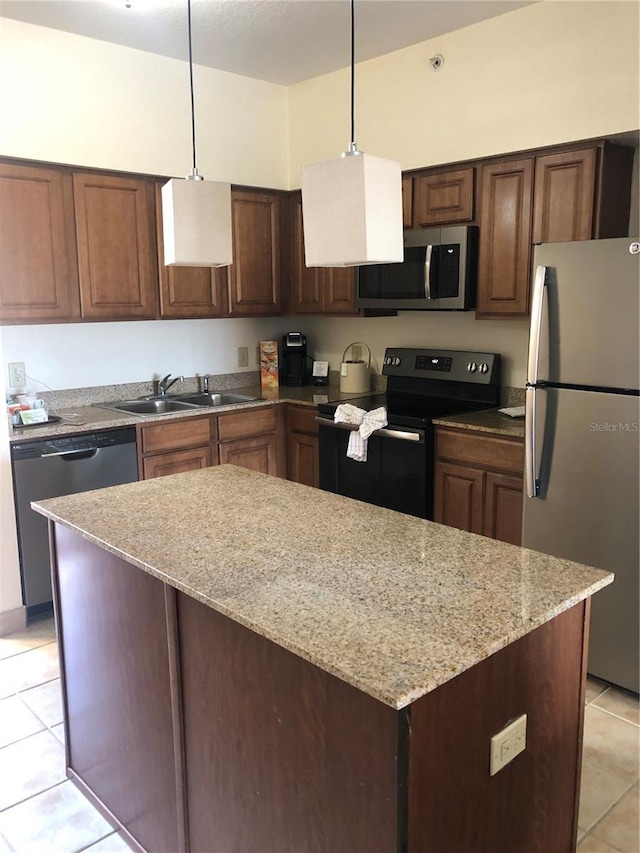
[[13, 620]]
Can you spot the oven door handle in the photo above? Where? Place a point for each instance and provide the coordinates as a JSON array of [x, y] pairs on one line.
[[403, 435]]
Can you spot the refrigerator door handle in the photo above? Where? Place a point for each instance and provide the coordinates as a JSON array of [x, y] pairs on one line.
[[537, 302], [530, 473]]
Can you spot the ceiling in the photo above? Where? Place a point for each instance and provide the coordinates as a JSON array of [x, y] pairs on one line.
[[280, 41]]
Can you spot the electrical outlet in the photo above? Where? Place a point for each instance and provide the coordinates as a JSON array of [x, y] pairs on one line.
[[508, 743], [243, 356], [17, 374]]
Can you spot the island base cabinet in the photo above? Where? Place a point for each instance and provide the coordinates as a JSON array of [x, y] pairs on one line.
[[117, 694], [285, 757], [194, 734], [531, 804]]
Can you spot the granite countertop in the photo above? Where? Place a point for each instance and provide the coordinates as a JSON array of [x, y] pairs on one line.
[[489, 420], [391, 604], [81, 419]]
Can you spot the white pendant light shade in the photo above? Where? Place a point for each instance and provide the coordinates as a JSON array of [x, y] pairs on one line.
[[352, 211], [196, 223]]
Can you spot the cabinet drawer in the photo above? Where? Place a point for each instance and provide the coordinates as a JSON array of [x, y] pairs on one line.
[[178, 434], [302, 419], [178, 462], [502, 454], [248, 423]]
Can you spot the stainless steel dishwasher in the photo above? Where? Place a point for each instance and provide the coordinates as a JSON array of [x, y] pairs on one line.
[[49, 468]]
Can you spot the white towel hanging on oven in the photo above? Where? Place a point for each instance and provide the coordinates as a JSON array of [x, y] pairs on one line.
[[368, 423]]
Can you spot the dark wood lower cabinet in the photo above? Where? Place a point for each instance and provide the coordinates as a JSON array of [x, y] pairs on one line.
[[193, 734], [303, 462], [478, 483]]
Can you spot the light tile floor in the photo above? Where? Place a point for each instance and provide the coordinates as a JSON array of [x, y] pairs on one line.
[[42, 812]]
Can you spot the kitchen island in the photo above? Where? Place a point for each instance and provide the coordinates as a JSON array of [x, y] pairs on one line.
[[250, 664]]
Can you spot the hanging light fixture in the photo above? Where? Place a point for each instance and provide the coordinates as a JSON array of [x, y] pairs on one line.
[[196, 214], [352, 206]]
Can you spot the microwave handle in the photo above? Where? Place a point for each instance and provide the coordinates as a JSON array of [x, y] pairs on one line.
[[427, 271]]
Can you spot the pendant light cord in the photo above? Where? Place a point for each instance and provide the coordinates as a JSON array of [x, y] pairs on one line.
[[353, 77], [193, 109]]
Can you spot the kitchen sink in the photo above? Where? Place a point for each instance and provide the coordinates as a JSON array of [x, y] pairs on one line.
[[214, 399], [175, 403], [150, 407]]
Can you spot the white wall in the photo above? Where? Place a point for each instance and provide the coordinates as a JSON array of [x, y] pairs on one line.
[[70, 99], [548, 73], [80, 355], [452, 330]]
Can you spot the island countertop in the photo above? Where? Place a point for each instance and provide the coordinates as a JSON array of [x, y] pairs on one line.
[[391, 604]]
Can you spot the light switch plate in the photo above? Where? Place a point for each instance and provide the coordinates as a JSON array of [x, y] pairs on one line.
[[508, 743]]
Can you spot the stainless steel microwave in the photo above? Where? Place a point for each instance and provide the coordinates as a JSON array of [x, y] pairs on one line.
[[438, 273]]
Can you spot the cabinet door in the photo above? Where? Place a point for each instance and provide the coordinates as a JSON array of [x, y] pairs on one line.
[[188, 291], [505, 239], [503, 508], [254, 276], [257, 454], [564, 196], [443, 198], [306, 282], [302, 451], [38, 262], [458, 496], [177, 463], [407, 201], [340, 291], [115, 229]]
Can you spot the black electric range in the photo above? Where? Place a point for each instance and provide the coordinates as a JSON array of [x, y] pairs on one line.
[[422, 384]]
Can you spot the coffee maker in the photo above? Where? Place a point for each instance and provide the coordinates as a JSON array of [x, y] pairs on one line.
[[293, 359]]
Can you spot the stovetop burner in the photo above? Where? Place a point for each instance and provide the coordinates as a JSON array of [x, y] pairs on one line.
[[423, 384]]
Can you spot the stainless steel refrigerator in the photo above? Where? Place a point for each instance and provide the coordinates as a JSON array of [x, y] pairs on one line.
[[581, 427]]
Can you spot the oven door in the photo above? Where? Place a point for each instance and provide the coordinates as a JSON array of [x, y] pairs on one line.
[[397, 474]]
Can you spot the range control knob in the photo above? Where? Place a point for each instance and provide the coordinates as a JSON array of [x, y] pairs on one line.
[[388, 359], [472, 367], [484, 368], [396, 361]]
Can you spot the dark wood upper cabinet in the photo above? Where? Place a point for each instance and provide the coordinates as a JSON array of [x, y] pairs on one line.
[[505, 239], [188, 291], [306, 283], [38, 261], [255, 275], [564, 196], [115, 229], [317, 290], [443, 198], [407, 201]]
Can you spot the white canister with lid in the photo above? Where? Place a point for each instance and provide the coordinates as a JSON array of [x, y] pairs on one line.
[[355, 376]]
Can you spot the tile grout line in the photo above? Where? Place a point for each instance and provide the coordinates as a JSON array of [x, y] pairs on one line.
[[594, 825], [616, 716]]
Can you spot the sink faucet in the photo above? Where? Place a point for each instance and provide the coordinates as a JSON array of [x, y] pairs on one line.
[[164, 384], [205, 383]]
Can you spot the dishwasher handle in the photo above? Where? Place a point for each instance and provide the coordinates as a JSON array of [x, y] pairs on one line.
[[73, 455]]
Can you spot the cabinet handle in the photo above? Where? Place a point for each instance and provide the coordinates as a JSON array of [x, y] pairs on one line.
[[427, 272]]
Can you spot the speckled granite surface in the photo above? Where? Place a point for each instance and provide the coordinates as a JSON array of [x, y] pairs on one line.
[[391, 604], [79, 419], [491, 421]]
